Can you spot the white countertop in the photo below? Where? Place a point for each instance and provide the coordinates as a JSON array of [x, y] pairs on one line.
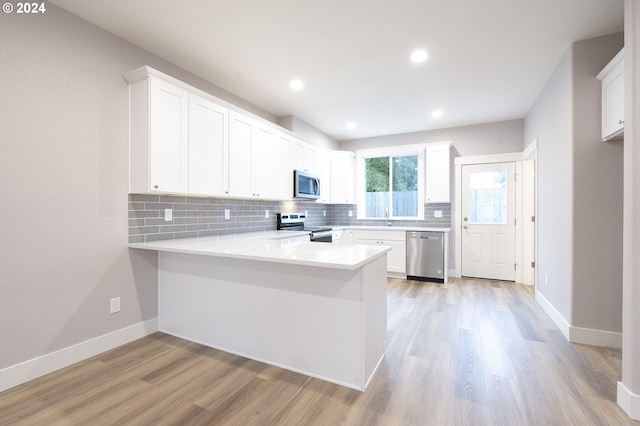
[[273, 246]]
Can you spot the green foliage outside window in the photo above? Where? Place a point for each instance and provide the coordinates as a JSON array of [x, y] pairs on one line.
[[377, 174], [391, 186], [405, 173]]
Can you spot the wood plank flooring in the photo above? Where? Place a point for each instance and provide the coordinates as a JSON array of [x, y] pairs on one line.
[[471, 352]]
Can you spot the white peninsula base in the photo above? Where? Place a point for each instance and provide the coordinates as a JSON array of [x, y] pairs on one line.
[[323, 322]]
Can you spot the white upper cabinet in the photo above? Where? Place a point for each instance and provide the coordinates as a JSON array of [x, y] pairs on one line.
[[208, 147], [185, 141], [241, 133], [263, 162], [343, 177], [159, 135], [285, 164], [323, 171], [309, 164], [437, 173], [612, 77], [251, 158]]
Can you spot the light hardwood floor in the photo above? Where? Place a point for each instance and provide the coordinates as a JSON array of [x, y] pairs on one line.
[[471, 352]]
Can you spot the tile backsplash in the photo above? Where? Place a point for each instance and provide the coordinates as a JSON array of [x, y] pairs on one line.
[[202, 216]]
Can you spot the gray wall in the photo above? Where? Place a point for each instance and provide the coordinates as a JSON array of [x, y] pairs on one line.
[[579, 191], [631, 278], [63, 184], [311, 134], [550, 121], [480, 139]]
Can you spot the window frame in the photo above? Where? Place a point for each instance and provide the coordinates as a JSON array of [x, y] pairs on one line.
[[392, 151]]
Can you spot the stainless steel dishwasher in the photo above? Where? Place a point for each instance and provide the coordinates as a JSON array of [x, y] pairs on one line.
[[425, 256]]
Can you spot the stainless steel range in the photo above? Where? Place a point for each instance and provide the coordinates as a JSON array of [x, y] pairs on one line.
[[296, 222]]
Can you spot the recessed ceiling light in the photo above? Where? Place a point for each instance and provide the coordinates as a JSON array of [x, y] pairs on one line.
[[437, 113], [296, 85], [419, 56], [351, 126]]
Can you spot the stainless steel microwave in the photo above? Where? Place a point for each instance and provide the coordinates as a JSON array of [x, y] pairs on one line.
[[305, 185]]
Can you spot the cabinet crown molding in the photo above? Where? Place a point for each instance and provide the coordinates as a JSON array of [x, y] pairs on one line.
[[612, 63]]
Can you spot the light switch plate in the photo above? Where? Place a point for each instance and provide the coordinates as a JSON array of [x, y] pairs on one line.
[[168, 215], [350, 213], [266, 214], [437, 213], [227, 213]]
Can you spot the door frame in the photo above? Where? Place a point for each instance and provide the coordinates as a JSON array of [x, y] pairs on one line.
[[515, 157], [530, 207]]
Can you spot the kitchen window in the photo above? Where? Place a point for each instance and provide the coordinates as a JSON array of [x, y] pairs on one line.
[[390, 183]]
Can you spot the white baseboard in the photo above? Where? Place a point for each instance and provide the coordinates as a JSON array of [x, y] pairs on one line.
[[629, 401], [586, 336], [593, 337], [18, 374], [556, 317]]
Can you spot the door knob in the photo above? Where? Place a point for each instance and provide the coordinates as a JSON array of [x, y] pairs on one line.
[[465, 226], [465, 219]]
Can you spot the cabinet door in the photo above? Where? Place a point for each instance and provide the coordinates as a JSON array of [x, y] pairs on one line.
[[263, 160], [208, 155], [323, 170], [241, 130], [309, 159], [168, 137], [347, 236], [613, 102], [343, 178], [285, 164], [437, 173], [396, 258]]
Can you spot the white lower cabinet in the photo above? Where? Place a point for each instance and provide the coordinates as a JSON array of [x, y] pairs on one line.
[[347, 236], [396, 258]]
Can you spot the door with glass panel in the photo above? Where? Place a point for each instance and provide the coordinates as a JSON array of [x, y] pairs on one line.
[[488, 221]]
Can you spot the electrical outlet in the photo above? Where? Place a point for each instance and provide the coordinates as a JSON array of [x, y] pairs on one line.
[[227, 213], [168, 215], [437, 213], [350, 213], [114, 305], [266, 214], [324, 213], [306, 213]]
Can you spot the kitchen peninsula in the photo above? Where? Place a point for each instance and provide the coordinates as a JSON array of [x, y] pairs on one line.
[[314, 308]]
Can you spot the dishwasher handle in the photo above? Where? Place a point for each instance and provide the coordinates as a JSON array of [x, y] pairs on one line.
[[422, 236]]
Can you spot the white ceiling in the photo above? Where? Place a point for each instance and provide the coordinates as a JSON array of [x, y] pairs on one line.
[[488, 59]]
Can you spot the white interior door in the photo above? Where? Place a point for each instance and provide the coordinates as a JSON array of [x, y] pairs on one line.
[[488, 221]]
